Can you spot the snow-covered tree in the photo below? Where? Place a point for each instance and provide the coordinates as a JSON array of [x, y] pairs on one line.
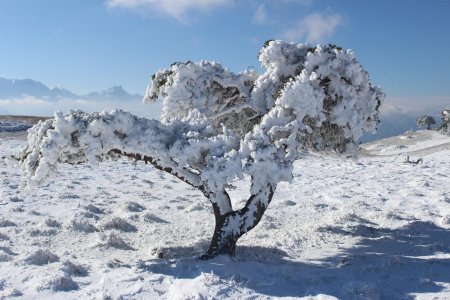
[[217, 127], [425, 121], [445, 125]]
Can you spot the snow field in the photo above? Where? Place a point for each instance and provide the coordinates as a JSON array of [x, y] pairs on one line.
[[375, 228]]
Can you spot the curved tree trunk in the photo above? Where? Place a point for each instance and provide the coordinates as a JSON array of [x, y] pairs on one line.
[[222, 242], [232, 225]]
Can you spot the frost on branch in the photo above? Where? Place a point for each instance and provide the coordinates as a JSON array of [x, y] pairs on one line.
[[204, 90], [445, 126], [425, 121], [217, 126]]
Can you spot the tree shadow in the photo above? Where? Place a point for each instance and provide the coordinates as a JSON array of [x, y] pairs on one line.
[[385, 264]]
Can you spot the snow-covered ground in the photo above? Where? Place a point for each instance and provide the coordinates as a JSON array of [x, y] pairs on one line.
[[375, 228], [13, 125]]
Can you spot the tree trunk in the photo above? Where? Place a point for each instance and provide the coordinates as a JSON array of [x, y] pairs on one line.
[[232, 225], [222, 241]]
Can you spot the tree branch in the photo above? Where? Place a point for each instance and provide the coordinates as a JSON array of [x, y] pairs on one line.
[[183, 174], [186, 176]]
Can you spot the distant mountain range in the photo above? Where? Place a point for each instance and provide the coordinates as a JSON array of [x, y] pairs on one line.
[[19, 88], [15, 92]]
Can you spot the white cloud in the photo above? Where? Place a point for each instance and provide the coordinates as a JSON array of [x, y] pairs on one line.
[[302, 2], [174, 8], [416, 105], [260, 16], [314, 28]]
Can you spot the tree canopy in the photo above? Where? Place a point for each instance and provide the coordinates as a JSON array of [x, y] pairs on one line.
[[425, 121], [445, 125], [217, 126]]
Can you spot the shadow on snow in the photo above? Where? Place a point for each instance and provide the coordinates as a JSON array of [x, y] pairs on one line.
[[386, 263]]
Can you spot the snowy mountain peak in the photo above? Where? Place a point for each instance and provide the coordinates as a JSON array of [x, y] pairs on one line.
[[116, 89], [19, 88], [113, 93], [16, 88]]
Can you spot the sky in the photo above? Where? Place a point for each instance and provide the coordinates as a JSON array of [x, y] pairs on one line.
[[90, 45]]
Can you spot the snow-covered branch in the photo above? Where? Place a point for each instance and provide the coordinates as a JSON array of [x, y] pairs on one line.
[[218, 126], [79, 137]]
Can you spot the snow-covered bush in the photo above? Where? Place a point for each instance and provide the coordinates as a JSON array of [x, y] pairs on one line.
[[425, 122], [445, 125], [113, 239], [117, 223], [81, 224], [57, 282], [41, 257], [217, 126]]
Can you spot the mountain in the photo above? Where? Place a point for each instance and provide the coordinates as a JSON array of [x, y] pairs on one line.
[[19, 88], [394, 121], [114, 93]]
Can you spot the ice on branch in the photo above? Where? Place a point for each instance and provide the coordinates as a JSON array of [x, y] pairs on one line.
[[217, 126]]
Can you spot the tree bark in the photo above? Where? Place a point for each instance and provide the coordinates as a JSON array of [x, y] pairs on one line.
[[222, 242], [231, 226]]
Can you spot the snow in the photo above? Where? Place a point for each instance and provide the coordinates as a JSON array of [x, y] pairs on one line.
[[221, 130], [14, 125], [217, 126], [409, 143], [372, 228]]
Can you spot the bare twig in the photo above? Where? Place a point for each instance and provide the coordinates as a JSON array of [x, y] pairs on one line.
[[408, 161]]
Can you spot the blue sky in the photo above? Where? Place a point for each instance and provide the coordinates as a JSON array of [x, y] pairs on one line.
[[87, 45]]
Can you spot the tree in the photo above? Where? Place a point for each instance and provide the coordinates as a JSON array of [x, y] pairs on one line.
[[425, 121], [445, 125], [217, 127]]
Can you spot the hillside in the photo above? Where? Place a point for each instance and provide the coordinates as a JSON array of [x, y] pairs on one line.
[[374, 228]]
